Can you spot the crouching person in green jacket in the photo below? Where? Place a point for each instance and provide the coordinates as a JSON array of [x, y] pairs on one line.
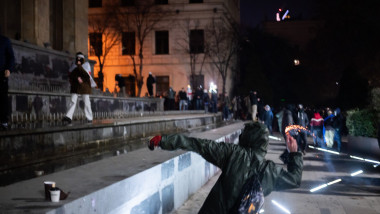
[[239, 164]]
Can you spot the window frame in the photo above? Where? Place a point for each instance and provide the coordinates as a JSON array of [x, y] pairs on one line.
[[161, 42], [132, 44]]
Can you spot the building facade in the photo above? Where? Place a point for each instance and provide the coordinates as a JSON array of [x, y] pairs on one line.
[[174, 49], [57, 24]]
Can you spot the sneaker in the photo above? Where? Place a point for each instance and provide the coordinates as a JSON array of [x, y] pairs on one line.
[[66, 120]]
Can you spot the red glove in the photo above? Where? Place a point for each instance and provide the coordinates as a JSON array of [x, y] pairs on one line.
[[154, 142]]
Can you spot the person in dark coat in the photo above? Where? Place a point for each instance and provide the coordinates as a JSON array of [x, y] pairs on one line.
[[287, 120], [80, 85], [338, 127], [7, 61], [302, 120], [239, 163], [149, 84]]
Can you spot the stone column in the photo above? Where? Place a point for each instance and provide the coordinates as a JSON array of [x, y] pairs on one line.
[[75, 26], [35, 21]]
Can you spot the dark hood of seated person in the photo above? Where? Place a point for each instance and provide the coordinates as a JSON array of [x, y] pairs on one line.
[[238, 164], [76, 87]]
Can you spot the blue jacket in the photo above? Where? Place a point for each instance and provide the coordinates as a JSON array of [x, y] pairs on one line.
[[6, 55]]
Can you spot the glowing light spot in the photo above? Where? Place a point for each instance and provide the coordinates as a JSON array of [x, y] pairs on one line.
[[280, 206], [261, 211], [296, 62], [357, 173]]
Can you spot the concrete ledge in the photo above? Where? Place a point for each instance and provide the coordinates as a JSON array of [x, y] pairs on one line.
[[138, 182], [22, 147]]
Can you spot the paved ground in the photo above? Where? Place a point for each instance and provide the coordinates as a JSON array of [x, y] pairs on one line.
[[353, 194]]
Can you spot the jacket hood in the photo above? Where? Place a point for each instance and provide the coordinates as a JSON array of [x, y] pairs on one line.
[[317, 115], [255, 136]]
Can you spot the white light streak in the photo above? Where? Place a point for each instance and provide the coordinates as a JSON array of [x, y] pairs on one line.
[[280, 206], [357, 173], [363, 159], [372, 161], [374, 166], [261, 211], [318, 187], [325, 150], [334, 182], [355, 157], [325, 185], [274, 138]]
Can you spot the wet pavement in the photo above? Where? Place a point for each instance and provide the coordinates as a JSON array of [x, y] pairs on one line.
[[351, 195]]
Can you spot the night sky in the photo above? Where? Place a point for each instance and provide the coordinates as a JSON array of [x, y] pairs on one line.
[[255, 11]]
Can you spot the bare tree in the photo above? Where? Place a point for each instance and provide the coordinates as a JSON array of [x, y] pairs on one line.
[[192, 45], [141, 18], [103, 37], [222, 46]]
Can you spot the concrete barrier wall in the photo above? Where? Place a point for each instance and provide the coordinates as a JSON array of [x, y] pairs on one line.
[[44, 106], [157, 190], [24, 147]]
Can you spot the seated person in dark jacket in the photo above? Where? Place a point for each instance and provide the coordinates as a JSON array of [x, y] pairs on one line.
[[239, 163]]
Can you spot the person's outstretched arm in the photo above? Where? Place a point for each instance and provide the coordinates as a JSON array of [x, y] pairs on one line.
[[281, 179], [213, 152]]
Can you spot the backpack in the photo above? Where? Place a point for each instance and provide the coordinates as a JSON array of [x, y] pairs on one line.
[[252, 199]]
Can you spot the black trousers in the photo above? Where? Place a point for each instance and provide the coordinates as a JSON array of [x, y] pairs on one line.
[[4, 110]]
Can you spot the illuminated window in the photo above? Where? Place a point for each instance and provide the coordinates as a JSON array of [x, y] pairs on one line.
[[128, 41], [162, 42]]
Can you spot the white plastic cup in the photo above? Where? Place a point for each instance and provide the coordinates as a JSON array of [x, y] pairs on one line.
[[54, 194]]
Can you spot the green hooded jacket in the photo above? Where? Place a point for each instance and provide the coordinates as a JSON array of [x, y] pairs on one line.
[[238, 164]]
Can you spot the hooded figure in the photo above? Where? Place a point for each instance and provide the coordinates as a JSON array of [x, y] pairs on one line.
[[238, 163]]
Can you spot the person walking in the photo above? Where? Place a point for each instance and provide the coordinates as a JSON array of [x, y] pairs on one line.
[[268, 118], [329, 129], [302, 120], [7, 61], [239, 164], [316, 127], [80, 85], [338, 126], [149, 84]]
